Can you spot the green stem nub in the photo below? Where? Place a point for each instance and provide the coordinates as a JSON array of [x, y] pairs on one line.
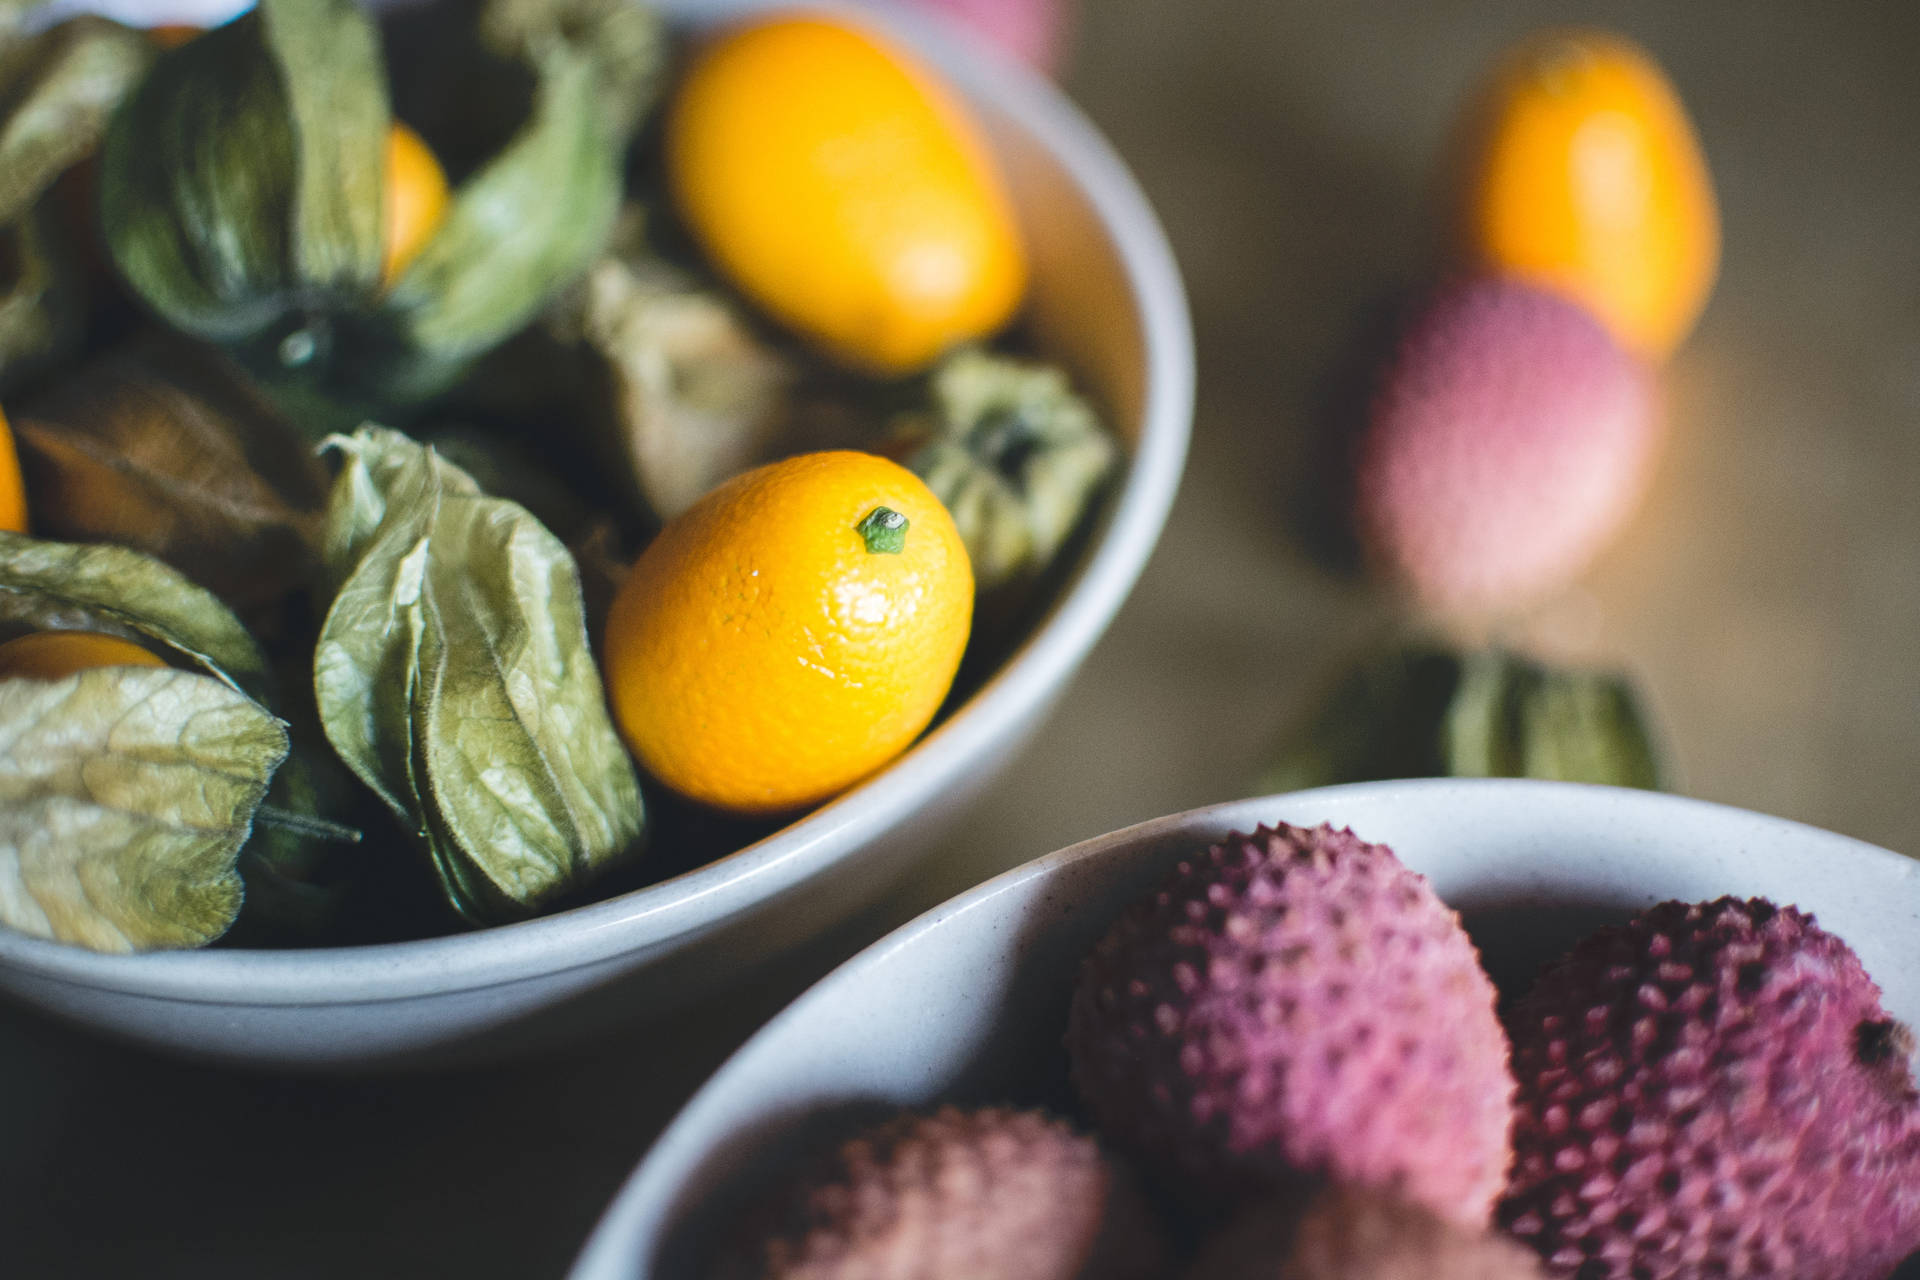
[[885, 531]]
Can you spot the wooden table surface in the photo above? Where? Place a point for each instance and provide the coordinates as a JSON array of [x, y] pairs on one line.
[[1768, 597]]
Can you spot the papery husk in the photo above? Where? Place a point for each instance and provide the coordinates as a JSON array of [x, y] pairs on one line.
[[241, 184], [454, 676], [507, 466], [159, 446], [625, 39], [664, 381], [127, 793], [518, 231], [695, 396], [1423, 711], [58, 89], [49, 585], [242, 197], [1015, 454], [125, 796]]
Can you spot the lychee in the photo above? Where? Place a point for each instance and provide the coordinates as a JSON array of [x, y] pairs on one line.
[[1292, 1005], [1348, 1234], [1508, 440], [1017, 1195], [1714, 1090]]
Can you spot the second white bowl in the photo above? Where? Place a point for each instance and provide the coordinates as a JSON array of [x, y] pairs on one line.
[[969, 1002]]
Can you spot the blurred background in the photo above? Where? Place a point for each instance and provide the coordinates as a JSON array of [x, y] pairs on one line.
[[1766, 599]]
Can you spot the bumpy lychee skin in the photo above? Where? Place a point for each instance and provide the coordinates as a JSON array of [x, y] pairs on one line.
[[1293, 1005], [1349, 1234], [958, 1195], [1713, 1090], [1508, 440]]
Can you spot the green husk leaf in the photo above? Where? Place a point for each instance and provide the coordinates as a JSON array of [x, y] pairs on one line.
[[42, 298], [158, 447], [197, 186], [1589, 730], [365, 664], [1511, 718], [518, 231], [125, 797], [626, 42], [242, 198], [57, 91], [379, 481], [1015, 455], [62, 585], [242, 180], [328, 55], [1422, 712], [454, 677]]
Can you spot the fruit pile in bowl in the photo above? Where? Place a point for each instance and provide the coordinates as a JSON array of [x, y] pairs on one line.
[[504, 489], [1450, 1028]]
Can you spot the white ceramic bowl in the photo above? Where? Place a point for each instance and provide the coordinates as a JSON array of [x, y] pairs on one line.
[[969, 1002], [1107, 301]]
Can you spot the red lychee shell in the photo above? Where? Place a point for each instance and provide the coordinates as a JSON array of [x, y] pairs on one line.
[[1714, 1090], [1350, 1234], [1016, 1195], [1292, 1005], [1509, 439]]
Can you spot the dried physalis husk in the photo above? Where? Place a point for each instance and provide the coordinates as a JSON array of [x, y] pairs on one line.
[[1423, 712], [126, 796], [242, 196], [626, 41], [454, 677], [696, 396], [65, 586], [127, 792], [57, 89], [663, 380], [158, 446], [1015, 454]]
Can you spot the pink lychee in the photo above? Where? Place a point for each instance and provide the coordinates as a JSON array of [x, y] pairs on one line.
[[1714, 1089], [1012, 1194], [1508, 441], [1294, 1005]]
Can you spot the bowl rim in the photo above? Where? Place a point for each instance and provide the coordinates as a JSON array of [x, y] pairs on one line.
[[681, 908], [645, 1197]]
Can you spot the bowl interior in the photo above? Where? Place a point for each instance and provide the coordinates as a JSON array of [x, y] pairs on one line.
[[969, 1002], [1106, 302]]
